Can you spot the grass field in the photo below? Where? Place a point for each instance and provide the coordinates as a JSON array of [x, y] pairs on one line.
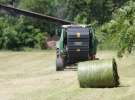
[[32, 76]]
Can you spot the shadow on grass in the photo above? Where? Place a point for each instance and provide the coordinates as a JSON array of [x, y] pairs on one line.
[[124, 86], [109, 87]]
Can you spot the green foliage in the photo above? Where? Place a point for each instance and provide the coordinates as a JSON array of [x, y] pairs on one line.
[[121, 28], [40, 6], [15, 34], [5, 1], [114, 21], [87, 11]]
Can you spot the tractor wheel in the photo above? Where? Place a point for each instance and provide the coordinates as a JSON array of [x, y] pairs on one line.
[[59, 64]]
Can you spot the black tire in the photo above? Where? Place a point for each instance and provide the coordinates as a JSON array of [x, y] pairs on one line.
[[59, 63]]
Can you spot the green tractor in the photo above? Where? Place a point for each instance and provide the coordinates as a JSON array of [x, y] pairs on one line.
[[78, 45]]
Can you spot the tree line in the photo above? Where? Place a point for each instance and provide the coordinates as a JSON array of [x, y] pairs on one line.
[[113, 20]]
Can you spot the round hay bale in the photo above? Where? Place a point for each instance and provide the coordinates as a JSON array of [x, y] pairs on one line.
[[98, 73]]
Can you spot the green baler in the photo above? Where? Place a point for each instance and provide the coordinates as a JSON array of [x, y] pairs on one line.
[[77, 43]]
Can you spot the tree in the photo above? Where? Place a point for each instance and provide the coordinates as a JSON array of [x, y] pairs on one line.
[[121, 28]]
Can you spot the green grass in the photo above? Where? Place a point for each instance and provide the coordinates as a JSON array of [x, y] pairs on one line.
[[32, 76]]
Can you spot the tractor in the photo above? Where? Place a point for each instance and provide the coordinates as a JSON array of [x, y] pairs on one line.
[[78, 45]]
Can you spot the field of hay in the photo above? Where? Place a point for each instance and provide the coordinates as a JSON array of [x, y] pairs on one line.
[[32, 76]]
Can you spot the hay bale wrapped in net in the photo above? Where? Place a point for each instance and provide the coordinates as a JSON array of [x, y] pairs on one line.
[[98, 73]]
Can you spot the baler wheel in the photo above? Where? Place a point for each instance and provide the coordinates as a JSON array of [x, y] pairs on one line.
[[59, 63]]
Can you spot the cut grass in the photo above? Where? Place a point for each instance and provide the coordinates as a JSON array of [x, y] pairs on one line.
[[32, 76]]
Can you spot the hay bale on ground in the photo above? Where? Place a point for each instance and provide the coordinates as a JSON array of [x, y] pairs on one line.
[[98, 73]]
